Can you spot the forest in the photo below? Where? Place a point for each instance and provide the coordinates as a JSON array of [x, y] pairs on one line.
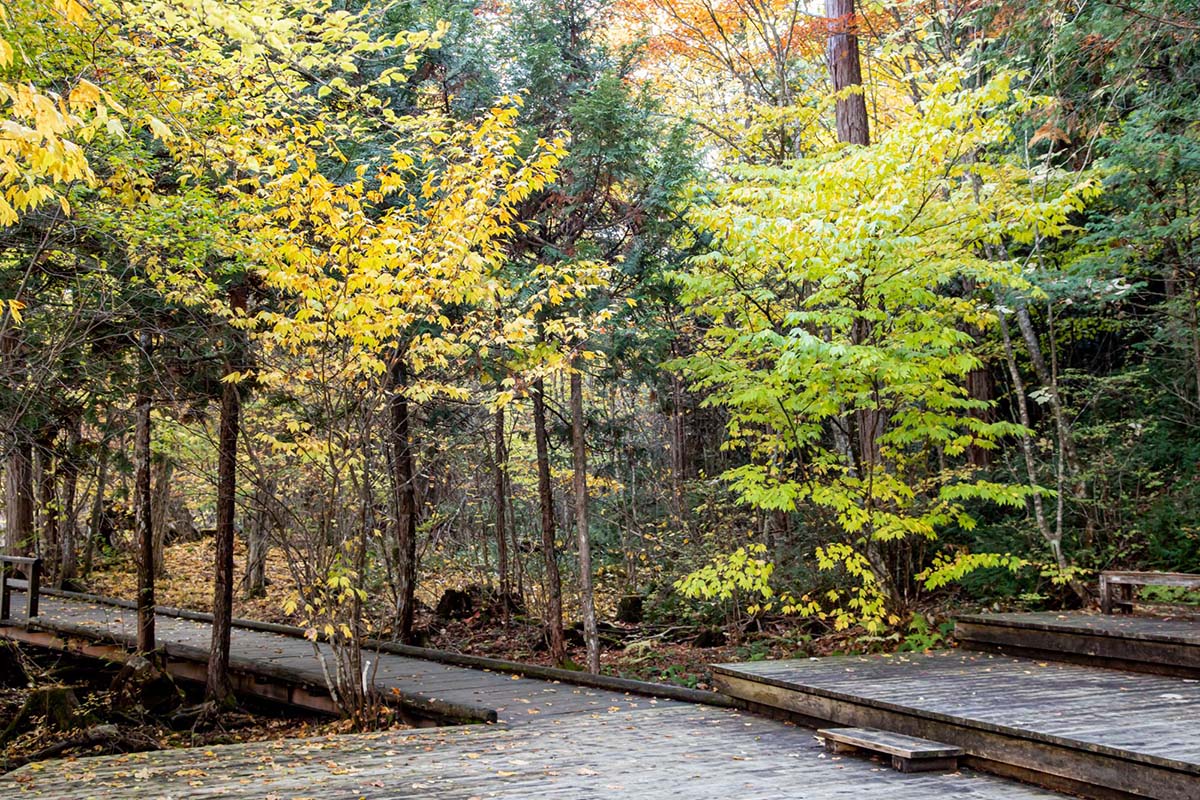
[[617, 335]]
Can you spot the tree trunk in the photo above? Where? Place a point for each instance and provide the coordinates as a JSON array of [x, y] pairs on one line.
[[845, 71], [587, 597], [258, 543], [19, 504], [69, 533], [405, 489], [1053, 538], [218, 688], [558, 644], [501, 510], [980, 386], [96, 523], [1050, 383], [141, 504], [48, 502], [160, 516]]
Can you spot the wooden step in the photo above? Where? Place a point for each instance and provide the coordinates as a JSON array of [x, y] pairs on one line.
[[909, 753]]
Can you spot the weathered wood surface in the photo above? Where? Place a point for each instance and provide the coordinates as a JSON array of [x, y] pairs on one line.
[[1128, 731], [553, 740], [662, 750], [457, 692], [574, 677], [894, 744], [1166, 645]]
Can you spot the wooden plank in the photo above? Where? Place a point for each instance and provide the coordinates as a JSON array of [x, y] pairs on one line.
[[1152, 578], [893, 744]]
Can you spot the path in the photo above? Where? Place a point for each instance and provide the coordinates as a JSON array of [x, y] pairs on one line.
[[552, 740]]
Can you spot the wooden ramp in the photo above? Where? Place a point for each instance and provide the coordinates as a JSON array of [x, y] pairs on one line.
[[1099, 732], [1162, 645]]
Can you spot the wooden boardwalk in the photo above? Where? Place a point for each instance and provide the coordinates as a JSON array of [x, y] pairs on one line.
[[552, 740], [662, 752], [285, 668], [1128, 731]]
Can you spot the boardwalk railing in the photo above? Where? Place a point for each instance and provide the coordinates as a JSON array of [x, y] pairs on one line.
[[32, 584]]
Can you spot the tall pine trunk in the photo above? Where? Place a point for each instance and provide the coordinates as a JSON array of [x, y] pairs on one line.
[[404, 487], [141, 503], [558, 644], [587, 595]]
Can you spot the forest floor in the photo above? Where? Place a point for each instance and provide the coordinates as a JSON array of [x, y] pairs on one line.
[[678, 653]]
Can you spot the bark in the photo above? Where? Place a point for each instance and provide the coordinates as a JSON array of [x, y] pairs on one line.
[[845, 70], [96, 522], [587, 596], [18, 474], [48, 502], [980, 386], [558, 645], [678, 445], [69, 534], [218, 688], [501, 510], [142, 500], [405, 489], [160, 481], [258, 543]]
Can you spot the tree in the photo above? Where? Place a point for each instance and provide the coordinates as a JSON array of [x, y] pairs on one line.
[[582, 532], [828, 300], [218, 687]]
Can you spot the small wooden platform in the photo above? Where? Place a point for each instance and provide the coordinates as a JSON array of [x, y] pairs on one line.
[[908, 753], [1094, 731], [1162, 645]]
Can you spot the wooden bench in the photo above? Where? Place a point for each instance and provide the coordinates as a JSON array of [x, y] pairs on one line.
[[909, 754], [1122, 583]]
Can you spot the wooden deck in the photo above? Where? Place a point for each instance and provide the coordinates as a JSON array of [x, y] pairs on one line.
[[552, 739], [662, 751], [1085, 729], [1163, 645]]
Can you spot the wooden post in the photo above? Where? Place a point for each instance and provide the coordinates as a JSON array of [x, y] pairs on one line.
[[4, 598], [35, 588]]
